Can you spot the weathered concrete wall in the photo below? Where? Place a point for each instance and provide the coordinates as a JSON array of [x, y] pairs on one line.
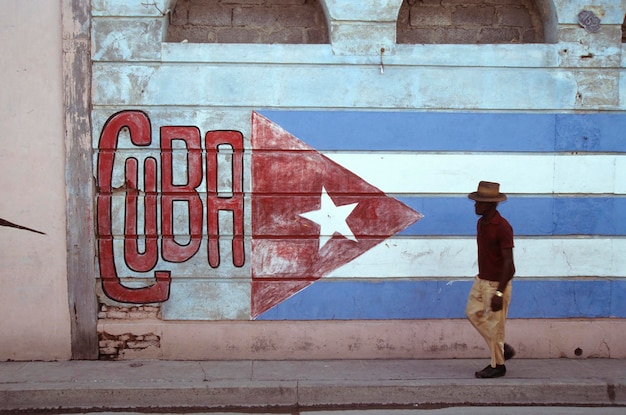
[[421, 122], [34, 294], [573, 79]]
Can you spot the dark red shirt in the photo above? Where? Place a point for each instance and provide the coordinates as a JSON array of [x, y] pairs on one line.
[[492, 236]]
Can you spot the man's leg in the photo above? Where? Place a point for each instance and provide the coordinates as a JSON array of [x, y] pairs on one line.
[[490, 324], [476, 309], [498, 324]]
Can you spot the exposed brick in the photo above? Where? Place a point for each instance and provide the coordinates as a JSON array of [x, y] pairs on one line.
[[201, 14], [530, 36], [116, 314], [460, 36], [514, 16], [430, 16], [480, 16], [500, 35], [416, 36], [138, 345], [108, 351], [238, 35], [180, 13], [288, 35], [211, 36], [301, 17], [255, 17], [112, 347], [273, 18], [403, 16], [468, 21], [128, 313], [316, 36], [151, 338], [194, 35], [242, 2], [249, 21], [289, 2]]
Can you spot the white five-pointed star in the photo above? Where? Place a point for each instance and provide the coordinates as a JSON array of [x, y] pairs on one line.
[[331, 218]]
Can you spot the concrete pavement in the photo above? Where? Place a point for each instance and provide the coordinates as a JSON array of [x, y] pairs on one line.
[[276, 385]]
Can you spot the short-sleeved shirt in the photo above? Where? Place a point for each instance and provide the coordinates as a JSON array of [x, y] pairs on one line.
[[492, 237]]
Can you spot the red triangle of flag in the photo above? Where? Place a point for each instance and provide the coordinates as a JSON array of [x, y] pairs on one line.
[[288, 180]]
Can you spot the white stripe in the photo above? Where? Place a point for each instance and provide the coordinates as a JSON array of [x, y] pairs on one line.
[[429, 258], [454, 257], [460, 173]]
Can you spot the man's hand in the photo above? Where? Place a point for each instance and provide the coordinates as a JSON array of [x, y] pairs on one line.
[[496, 303]]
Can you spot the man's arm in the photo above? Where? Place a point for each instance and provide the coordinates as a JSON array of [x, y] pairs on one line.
[[507, 274], [507, 268]]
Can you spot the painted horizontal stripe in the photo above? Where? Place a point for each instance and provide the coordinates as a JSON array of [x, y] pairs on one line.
[[456, 257], [460, 173], [529, 216], [365, 300], [333, 86], [421, 258], [454, 131], [406, 173], [483, 55], [443, 172]]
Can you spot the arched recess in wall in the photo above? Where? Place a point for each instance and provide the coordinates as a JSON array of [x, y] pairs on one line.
[[464, 22], [238, 21]]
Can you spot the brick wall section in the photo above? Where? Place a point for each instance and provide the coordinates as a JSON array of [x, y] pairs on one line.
[[248, 21], [469, 21], [303, 21], [128, 312], [115, 346]]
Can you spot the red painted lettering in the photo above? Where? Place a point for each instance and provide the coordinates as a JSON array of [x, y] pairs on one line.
[[172, 250], [140, 132], [140, 262], [215, 202], [180, 179]]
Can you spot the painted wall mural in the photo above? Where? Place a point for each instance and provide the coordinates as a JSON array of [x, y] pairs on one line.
[[322, 215], [309, 214]]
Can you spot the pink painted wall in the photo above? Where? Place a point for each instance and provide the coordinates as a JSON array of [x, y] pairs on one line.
[[33, 294]]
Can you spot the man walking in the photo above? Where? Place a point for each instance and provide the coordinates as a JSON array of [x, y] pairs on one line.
[[489, 298]]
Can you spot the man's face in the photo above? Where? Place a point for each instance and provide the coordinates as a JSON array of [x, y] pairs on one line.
[[483, 207]]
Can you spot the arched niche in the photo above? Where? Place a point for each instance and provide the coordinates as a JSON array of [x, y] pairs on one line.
[[265, 21], [462, 22]]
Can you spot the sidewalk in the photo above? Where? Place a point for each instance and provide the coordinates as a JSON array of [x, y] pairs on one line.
[[306, 384]]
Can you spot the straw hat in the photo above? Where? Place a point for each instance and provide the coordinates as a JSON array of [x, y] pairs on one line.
[[487, 192]]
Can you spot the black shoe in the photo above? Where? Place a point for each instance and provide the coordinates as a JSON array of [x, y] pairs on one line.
[[509, 352], [491, 372]]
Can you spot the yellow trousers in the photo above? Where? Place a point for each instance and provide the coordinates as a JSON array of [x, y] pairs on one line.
[[489, 324]]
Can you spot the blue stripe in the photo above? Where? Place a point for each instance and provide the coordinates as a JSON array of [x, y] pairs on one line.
[[529, 216], [442, 131], [441, 299]]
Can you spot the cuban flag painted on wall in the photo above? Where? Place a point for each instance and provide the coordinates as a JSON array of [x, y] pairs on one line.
[[310, 215], [362, 214]]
